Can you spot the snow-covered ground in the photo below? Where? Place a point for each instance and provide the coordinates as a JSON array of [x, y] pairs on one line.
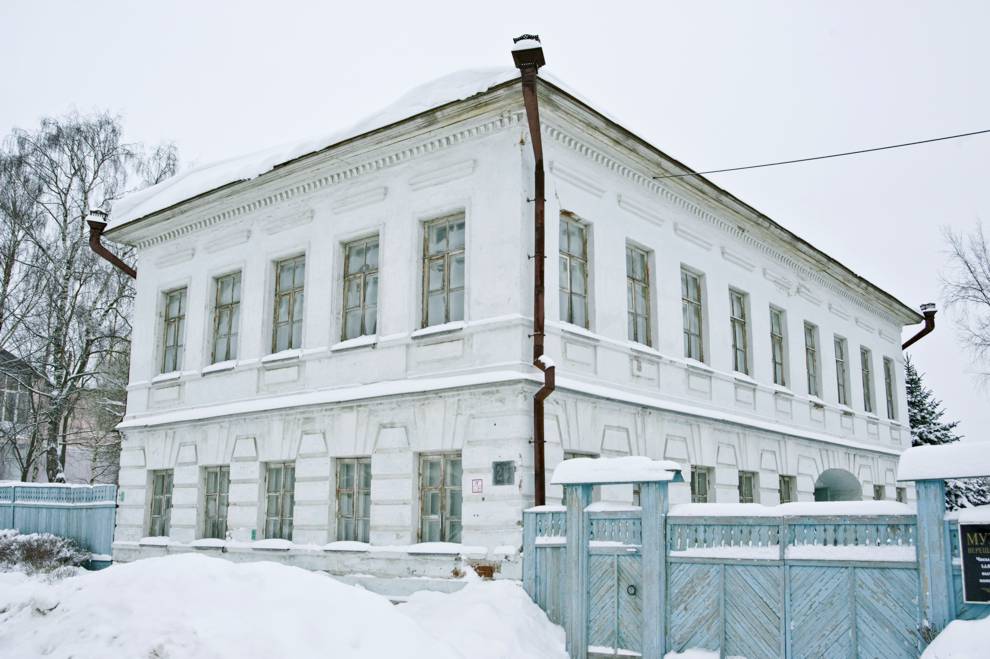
[[191, 606], [962, 639]]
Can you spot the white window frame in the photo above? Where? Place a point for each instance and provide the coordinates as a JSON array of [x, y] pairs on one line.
[[175, 344], [363, 279], [216, 495], [278, 523], [750, 479], [739, 330], [353, 520], [160, 502], [890, 387], [569, 260], [778, 346], [693, 308], [812, 360], [448, 524], [697, 471], [791, 488], [638, 287], [226, 318], [841, 347], [295, 293], [447, 258], [866, 367]]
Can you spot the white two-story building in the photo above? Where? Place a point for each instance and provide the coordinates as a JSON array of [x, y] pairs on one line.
[[332, 341]]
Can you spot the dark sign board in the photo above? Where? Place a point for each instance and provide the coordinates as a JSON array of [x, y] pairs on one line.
[[974, 548]]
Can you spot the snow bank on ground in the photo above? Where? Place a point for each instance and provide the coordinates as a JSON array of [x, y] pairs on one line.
[[191, 606], [962, 639], [488, 620]]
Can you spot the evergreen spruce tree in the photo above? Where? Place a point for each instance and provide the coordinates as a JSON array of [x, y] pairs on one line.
[[927, 427]]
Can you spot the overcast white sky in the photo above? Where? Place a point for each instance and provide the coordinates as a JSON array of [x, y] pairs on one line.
[[713, 84]]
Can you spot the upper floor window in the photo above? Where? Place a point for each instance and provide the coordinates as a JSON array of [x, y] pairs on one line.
[[889, 388], [290, 276], [638, 294], [811, 360], [866, 360], [360, 288], [574, 272], [777, 349], [173, 330], [740, 331], [226, 316], [842, 370], [14, 398], [693, 317], [443, 271]]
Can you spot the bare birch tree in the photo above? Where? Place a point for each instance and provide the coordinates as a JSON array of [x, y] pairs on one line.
[[966, 288]]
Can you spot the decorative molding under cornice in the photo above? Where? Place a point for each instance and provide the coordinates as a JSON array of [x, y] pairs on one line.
[[639, 209], [176, 257], [382, 159], [738, 259], [358, 199], [280, 224], [227, 240], [865, 325], [838, 311], [780, 281], [646, 181], [442, 175], [578, 179], [691, 236], [809, 295]]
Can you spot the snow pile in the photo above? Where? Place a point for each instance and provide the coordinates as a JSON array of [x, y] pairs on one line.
[[192, 606], [198, 180], [962, 639], [974, 515], [488, 620], [627, 469]]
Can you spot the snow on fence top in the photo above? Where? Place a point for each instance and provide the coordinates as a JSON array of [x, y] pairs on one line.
[[205, 178], [627, 469], [956, 460], [795, 509], [975, 515]]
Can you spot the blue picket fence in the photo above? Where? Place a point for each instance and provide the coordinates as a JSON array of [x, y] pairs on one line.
[[84, 513], [752, 586]]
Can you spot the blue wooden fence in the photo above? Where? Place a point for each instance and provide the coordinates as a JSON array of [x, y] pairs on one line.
[[754, 586], [84, 513]]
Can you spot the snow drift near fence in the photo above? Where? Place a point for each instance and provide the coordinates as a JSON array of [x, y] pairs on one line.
[[191, 606], [962, 639]]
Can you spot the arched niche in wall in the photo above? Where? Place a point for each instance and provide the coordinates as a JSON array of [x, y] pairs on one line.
[[837, 485]]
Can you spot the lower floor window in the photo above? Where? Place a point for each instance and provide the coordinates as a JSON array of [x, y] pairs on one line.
[[879, 492], [353, 498], [902, 494], [788, 489], [701, 478], [748, 492], [440, 497], [161, 502], [215, 502], [280, 484]]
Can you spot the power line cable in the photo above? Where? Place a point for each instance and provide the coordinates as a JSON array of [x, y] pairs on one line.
[[831, 155]]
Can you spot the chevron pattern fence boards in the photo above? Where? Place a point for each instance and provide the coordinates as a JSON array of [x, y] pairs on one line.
[[887, 612], [602, 600], [630, 627], [753, 609], [693, 606], [820, 616]]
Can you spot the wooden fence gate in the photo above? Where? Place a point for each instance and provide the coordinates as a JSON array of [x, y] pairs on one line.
[[627, 580]]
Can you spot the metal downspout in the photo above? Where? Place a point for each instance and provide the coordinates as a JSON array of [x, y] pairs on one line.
[[928, 311], [97, 222], [528, 57]]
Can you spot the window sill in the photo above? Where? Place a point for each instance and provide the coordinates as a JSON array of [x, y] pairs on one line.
[[272, 545], [781, 390], [166, 377], [356, 342], [443, 328], [742, 378], [219, 367], [815, 401], [577, 330], [283, 356], [644, 349], [845, 409], [698, 366]]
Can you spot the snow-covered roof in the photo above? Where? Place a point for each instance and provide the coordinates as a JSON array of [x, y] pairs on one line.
[[204, 178], [626, 469], [956, 460]]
